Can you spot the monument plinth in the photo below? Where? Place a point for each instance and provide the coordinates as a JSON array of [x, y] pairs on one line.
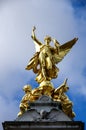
[[44, 114], [46, 107]]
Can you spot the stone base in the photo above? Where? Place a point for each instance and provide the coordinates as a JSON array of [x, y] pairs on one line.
[[62, 125], [43, 114]]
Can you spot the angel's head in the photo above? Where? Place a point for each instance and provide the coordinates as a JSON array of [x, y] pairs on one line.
[[27, 88], [47, 40]]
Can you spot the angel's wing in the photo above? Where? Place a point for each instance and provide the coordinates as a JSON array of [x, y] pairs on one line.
[[64, 84], [63, 50]]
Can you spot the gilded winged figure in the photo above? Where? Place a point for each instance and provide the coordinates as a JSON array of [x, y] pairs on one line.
[[46, 57]]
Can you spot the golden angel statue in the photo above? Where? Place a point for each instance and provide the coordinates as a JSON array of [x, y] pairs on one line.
[[24, 102], [66, 103], [46, 57]]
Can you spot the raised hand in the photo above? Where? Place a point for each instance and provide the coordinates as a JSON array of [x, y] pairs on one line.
[[34, 28]]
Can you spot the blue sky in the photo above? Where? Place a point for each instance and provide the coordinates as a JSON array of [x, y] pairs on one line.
[[61, 19]]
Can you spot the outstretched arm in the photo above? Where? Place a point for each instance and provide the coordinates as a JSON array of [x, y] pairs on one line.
[[56, 43], [33, 36]]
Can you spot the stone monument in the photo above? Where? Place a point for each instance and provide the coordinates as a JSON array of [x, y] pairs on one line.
[[46, 107]]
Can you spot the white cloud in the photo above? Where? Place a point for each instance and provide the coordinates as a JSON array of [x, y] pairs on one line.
[[8, 110]]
